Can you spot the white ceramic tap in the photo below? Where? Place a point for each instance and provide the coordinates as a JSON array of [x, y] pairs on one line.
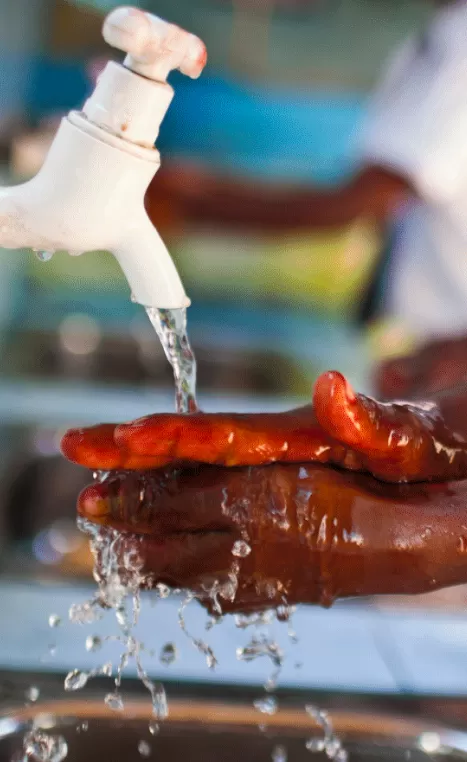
[[89, 193]]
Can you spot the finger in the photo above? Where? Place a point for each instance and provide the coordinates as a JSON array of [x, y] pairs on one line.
[[397, 441], [93, 447], [162, 502], [229, 440]]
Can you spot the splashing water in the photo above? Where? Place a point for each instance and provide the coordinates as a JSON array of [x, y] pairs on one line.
[[117, 571], [279, 754], [144, 749], [32, 694], [199, 644], [329, 743], [39, 746], [168, 654], [170, 326], [43, 256]]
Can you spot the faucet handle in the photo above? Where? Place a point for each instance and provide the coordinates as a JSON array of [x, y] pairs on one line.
[[154, 46]]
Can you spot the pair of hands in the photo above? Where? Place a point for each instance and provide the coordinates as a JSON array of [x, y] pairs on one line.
[[243, 502]]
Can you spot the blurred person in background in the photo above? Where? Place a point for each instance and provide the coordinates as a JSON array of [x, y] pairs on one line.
[[412, 171]]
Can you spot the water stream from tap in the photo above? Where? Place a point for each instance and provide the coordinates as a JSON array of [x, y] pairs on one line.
[[170, 326]]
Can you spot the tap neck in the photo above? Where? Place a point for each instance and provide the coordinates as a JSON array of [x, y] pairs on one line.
[[128, 105]]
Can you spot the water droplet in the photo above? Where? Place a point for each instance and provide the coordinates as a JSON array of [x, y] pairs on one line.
[[52, 649], [241, 549], [54, 620], [144, 748], [84, 613], [332, 746], [75, 680], [163, 590], [33, 693], [341, 755], [267, 705], [41, 747], [154, 728], [43, 256], [316, 745], [83, 727], [114, 701], [93, 643], [106, 669], [168, 653], [279, 754], [262, 727]]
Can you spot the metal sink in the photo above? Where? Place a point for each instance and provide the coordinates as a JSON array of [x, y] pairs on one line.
[[208, 731]]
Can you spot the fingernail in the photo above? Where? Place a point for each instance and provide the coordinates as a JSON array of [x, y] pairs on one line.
[[92, 503]]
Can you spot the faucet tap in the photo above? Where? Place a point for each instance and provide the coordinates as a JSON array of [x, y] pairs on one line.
[[89, 193]]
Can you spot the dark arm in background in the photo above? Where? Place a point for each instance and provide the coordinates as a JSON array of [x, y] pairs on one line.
[[373, 193]]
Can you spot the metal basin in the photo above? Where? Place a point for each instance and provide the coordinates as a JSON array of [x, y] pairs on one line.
[[202, 731]]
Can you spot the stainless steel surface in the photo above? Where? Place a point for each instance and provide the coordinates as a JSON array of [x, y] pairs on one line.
[[222, 730]]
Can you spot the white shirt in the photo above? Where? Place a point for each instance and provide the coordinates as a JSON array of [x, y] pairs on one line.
[[417, 125]]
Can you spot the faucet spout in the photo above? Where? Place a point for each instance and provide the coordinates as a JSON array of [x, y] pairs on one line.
[[148, 266]]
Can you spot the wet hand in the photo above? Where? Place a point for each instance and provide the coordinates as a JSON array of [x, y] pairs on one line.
[[395, 442], [249, 538]]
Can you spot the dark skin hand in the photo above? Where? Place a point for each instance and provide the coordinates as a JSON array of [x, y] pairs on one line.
[[186, 490], [314, 534], [374, 193], [437, 365]]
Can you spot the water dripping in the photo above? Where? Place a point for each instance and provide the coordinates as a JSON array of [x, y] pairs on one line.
[[329, 742], [241, 549], [168, 654], [76, 680], [115, 702], [42, 747], [267, 705], [154, 728], [42, 255], [93, 643], [170, 326], [279, 754], [32, 694], [144, 749], [199, 644]]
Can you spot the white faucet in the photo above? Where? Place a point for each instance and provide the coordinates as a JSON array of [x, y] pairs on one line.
[[89, 194]]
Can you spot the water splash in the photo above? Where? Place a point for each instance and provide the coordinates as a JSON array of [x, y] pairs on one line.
[[40, 746], [93, 643], [170, 326], [330, 744], [266, 705], [241, 549], [199, 644], [43, 256], [144, 749], [118, 573], [32, 694], [279, 754], [168, 654]]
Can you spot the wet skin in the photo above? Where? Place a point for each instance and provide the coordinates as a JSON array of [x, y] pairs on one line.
[[315, 533], [188, 487]]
